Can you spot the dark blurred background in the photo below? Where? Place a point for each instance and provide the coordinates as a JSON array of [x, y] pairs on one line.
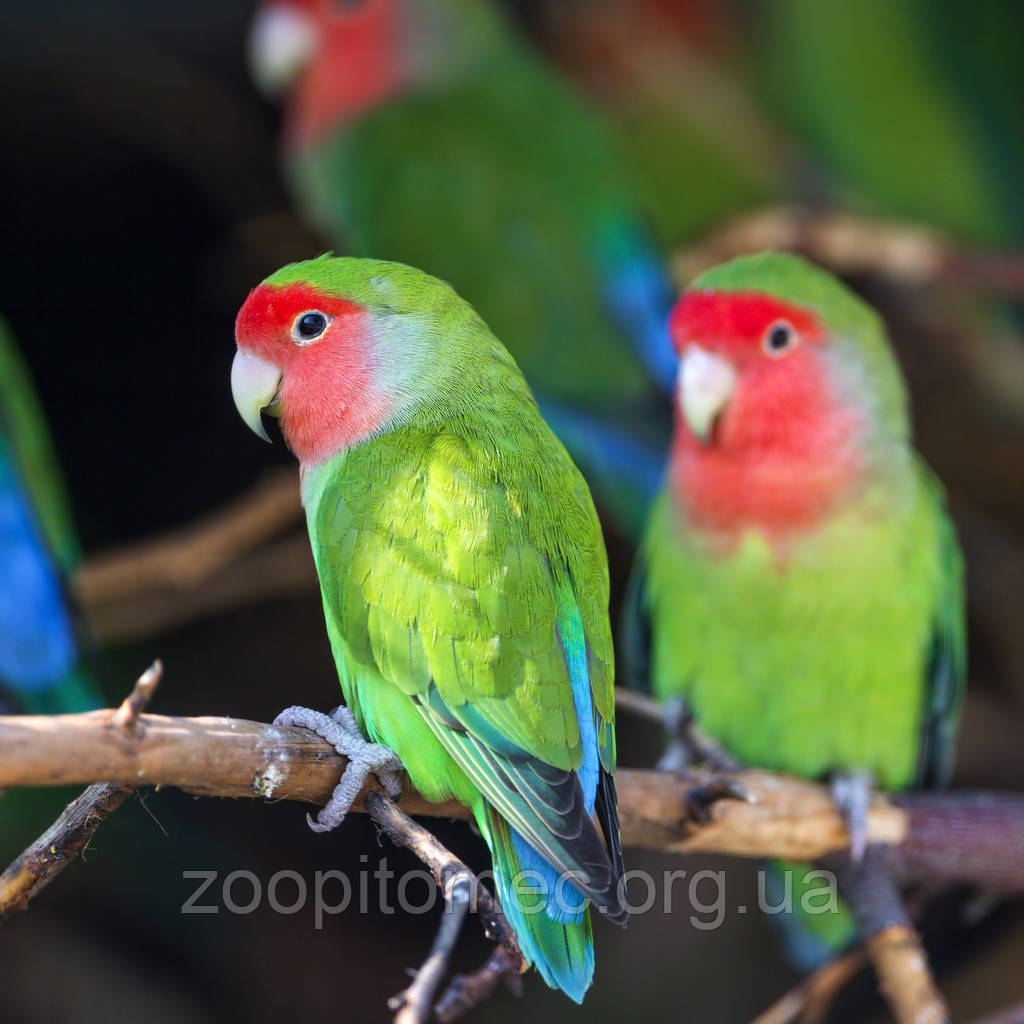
[[141, 199]]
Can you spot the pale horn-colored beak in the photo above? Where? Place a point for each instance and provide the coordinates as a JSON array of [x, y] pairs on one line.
[[281, 44], [706, 383], [254, 384]]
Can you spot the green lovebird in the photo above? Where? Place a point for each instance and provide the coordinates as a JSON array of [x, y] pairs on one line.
[[803, 581], [41, 658], [429, 131], [464, 579]]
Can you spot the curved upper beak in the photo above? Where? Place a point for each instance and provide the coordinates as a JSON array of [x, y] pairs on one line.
[[254, 386], [281, 43], [706, 383]]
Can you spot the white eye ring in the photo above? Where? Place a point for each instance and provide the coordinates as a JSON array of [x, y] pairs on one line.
[[310, 326], [779, 338]]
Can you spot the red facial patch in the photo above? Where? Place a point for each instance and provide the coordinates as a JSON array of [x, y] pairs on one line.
[[785, 447], [329, 398], [357, 65], [735, 322]]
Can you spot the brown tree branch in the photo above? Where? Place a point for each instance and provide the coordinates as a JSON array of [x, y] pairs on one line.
[[907, 254], [186, 556], [154, 583], [890, 940], [60, 844], [281, 568], [903, 976], [982, 833]]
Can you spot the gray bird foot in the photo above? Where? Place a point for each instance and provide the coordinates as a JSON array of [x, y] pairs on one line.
[[688, 746], [851, 793], [339, 728]]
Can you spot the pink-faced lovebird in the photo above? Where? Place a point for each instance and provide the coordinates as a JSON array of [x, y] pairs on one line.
[[463, 574], [802, 579], [427, 131]]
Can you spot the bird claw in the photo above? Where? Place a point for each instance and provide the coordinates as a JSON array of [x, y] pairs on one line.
[[341, 730], [851, 793], [706, 793]]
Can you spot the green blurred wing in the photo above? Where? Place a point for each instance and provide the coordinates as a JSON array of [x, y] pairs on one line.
[[947, 666], [23, 424], [445, 573], [894, 129]]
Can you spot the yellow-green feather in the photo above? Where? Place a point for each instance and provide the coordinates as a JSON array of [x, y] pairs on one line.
[[819, 660]]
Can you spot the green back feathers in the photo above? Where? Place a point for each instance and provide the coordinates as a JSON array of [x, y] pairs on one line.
[[445, 547]]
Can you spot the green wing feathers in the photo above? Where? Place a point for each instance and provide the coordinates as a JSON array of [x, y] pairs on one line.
[[947, 661], [442, 552]]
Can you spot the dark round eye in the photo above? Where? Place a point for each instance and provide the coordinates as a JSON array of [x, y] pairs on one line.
[[779, 337], [309, 326]]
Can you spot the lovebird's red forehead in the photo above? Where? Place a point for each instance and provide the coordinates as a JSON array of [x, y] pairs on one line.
[[734, 319], [270, 308]]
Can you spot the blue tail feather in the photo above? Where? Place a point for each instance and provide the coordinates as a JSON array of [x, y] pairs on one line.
[[624, 469], [38, 649], [562, 951], [640, 295]]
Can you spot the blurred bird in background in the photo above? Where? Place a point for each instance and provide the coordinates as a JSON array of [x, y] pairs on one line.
[[803, 580], [430, 133]]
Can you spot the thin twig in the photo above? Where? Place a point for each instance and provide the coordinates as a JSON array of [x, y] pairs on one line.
[[808, 1001], [1008, 1015], [282, 568], [467, 991], [462, 890], [126, 717], [903, 976], [639, 705], [443, 864], [40, 864], [414, 1004]]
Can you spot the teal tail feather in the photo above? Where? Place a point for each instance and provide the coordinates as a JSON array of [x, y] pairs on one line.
[[77, 691], [551, 923], [818, 925]]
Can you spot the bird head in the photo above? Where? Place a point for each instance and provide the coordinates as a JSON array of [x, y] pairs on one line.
[[786, 389], [341, 349], [337, 59]]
